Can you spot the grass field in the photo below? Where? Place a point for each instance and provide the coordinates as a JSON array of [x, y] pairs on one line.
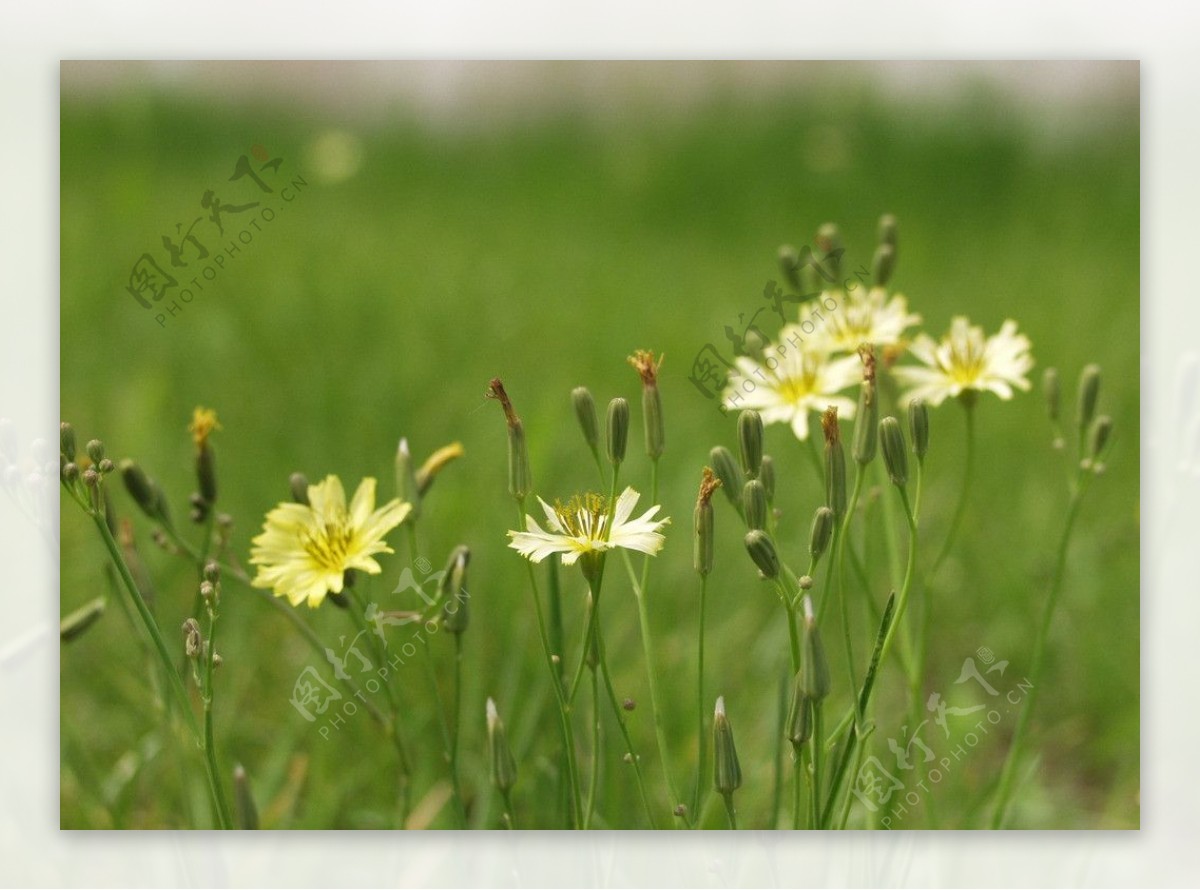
[[544, 252]]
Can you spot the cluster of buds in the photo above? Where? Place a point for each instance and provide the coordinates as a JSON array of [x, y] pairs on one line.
[[83, 474], [1093, 432]]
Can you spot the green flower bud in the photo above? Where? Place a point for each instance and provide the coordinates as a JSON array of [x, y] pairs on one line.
[[1089, 392], [618, 430], [822, 531], [585, 411], [799, 727], [754, 503], [750, 440], [453, 591], [895, 456], [789, 264], [727, 772], [1098, 437], [726, 470], [702, 558], [144, 490], [865, 424], [76, 624], [1052, 392], [243, 801], [95, 450], [829, 240], [298, 483], [766, 475], [504, 768], [814, 668], [762, 550], [883, 265], [406, 478], [835, 465], [66, 440], [918, 427], [652, 416], [206, 473]]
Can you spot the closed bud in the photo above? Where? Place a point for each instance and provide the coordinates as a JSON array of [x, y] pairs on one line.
[[66, 441], [918, 427], [435, 463], [212, 572], [243, 800], [762, 550], [70, 472], [814, 668], [895, 456], [519, 481], [887, 230], [298, 483], [702, 558], [406, 478], [726, 470], [193, 643], [835, 465], [1089, 392], [106, 466], [206, 473], [1098, 437], [829, 240], [727, 772], [754, 503], [883, 265], [799, 727], [585, 411], [652, 416], [1052, 392], [766, 475], [750, 441], [789, 264], [95, 450], [865, 424], [504, 768], [822, 531], [76, 624], [618, 429], [455, 598], [144, 491]]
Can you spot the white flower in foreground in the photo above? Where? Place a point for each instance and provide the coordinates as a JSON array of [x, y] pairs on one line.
[[589, 524], [789, 382], [863, 316], [965, 361]]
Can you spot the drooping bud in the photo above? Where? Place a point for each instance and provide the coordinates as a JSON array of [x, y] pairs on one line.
[[1098, 437], [750, 441], [766, 475], [754, 503], [814, 668], [835, 464], [1089, 392], [585, 411], [822, 531], [727, 772], [799, 727], [918, 427], [504, 768], [66, 440], [519, 481], [435, 463], [76, 624], [453, 593], [298, 483], [726, 470], [863, 448], [618, 430], [762, 550], [246, 811], [883, 265], [652, 415], [895, 455], [702, 558], [1052, 392], [144, 490]]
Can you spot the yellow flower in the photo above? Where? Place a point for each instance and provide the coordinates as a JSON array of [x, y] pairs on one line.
[[305, 549]]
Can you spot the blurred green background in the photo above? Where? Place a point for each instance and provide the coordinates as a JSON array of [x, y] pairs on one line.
[[424, 257]]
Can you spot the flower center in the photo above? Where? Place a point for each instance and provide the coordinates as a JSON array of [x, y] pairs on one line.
[[584, 516], [329, 546]]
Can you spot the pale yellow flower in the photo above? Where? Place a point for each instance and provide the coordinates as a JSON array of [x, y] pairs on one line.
[[305, 549], [589, 524], [862, 316], [967, 361]]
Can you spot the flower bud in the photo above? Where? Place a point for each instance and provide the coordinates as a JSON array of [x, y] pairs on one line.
[[766, 475], [887, 230], [144, 490], [1098, 437], [814, 668], [822, 531], [865, 429], [726, 470], [702, 558], [95, 450], [585, 411], [70, 472], [206, 473], [829, 240], [1089, 392], [298, 483], [212, 572], [66, 440], [799, 727], [750, 440], [835, 465], [727, 772], [193, 643], [883, 265], [1052, 392], [895, 456], [918, 427], [618, 430], [243, 800], [76, 624], [453, 591], [762, 550], [754, 503], [789, 264], [504, 768], [435, 463], [406, 478], [652, 416]]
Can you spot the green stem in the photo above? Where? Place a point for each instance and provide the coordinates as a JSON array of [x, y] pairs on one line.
[[509, 821], [447, 740], [818, 743], [617, 710], [210, 747], [456, 722], [700, 700], [595, 776], [730, 811], [963, 491], [1008, 771]]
